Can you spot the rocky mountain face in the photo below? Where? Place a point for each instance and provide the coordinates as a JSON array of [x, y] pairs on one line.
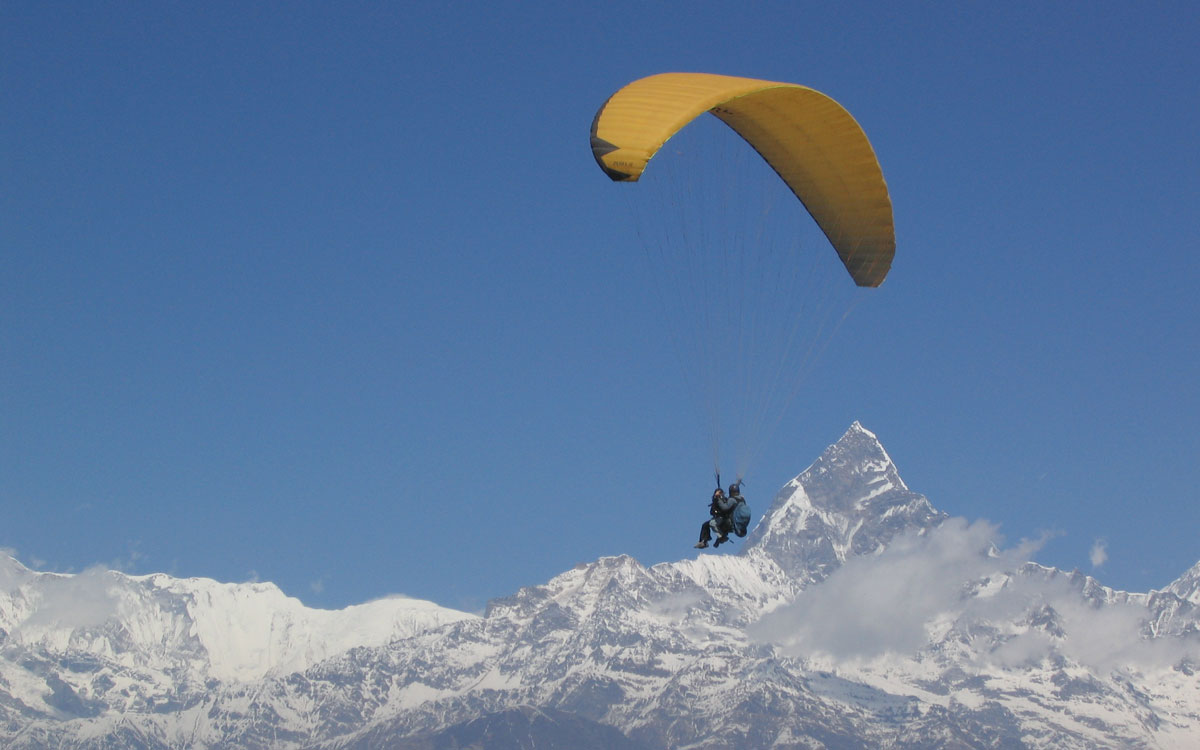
[[850, 502], [856, 615]]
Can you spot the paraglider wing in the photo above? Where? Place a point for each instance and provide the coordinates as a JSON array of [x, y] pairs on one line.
[[810, 140]]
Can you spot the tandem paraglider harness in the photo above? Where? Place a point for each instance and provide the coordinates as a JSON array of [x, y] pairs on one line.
[[728, 514]]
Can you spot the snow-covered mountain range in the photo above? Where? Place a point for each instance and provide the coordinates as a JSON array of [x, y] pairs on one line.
[[855, 615]]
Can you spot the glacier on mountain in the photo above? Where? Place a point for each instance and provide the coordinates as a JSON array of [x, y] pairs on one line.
[[856, 615]]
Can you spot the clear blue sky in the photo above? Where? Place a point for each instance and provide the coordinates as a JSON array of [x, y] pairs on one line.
[[333, 295]]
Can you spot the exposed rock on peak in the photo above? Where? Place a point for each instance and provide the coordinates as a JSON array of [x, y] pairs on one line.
[[850, 501]]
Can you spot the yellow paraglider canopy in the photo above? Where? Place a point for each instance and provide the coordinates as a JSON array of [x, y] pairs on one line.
[[809, 139]]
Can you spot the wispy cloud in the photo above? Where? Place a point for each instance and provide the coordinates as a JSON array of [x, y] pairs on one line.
[[959, 578], [79, 600], [1099, 553], [877, 604]]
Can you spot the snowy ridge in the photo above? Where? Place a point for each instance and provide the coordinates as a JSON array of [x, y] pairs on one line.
[[1187, 586], [224, 631], [855, 615]]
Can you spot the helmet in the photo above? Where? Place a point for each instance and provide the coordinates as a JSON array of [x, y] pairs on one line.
[[735, 489]]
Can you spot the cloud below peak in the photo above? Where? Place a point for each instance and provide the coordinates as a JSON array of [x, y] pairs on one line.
[[958, 578]]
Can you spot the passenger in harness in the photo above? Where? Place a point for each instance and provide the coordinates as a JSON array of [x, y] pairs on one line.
[[719, 510]]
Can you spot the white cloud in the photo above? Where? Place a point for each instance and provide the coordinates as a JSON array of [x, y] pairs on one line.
[[1104, 637], [883, 603], [1099, 553], [957, 577], [80, 600]]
